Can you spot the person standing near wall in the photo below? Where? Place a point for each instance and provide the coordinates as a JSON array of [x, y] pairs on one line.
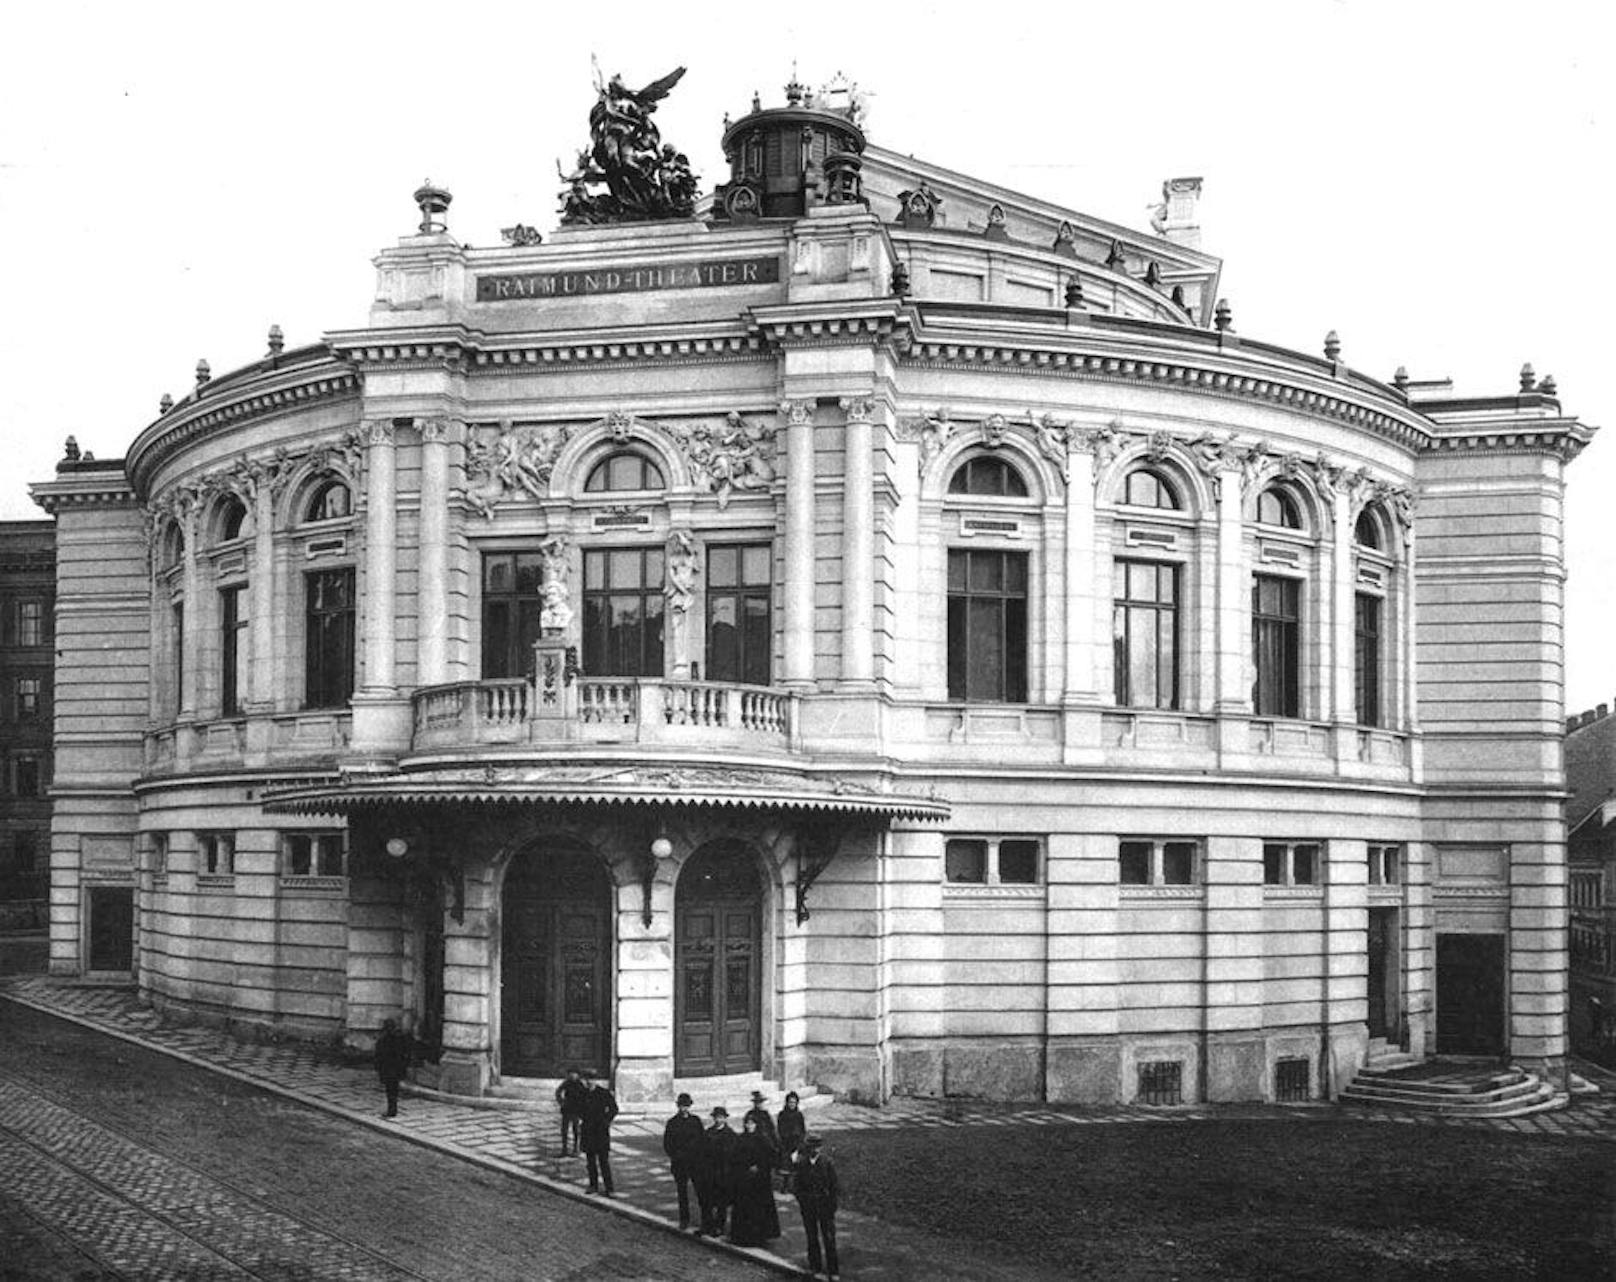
[[712, 1184], [569, 1098], [817, 1195], [392, 1058], [600, 1106]]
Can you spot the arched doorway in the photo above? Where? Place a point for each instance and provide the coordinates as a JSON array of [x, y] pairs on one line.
[[556, 947], [718, 963]]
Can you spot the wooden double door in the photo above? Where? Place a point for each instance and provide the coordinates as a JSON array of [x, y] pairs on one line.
[[555, 972], [718, 964]]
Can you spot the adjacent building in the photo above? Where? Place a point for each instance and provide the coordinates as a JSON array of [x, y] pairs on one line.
[[1590, 755], [884, 631], [27, 624]]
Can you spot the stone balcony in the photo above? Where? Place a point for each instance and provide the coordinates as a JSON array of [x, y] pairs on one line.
[[640, 711]]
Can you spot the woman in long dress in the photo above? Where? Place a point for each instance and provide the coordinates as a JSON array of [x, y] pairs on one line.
[[753, 1218]]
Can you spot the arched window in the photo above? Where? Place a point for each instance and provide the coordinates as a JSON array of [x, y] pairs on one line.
[[329, 501], [1277, 506], [988, 476], [173, 546], [624, 471], [1147, 488], [1366, 533], [232, 515]]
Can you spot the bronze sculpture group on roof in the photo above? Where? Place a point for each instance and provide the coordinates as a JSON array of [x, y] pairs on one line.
[[644, 178]]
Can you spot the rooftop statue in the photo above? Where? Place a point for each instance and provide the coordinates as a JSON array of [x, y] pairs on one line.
[[644, 177]]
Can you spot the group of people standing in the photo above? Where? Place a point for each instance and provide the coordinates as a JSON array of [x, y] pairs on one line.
[[734, 1175]]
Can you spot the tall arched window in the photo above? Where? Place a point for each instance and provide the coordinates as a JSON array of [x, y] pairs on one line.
[[1277, 506], [1366, 533], [329, 501], [988, 476], [173, 547], [232, 516], [624, 471]]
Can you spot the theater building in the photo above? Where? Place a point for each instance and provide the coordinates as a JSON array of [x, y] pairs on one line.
[[883, 631]]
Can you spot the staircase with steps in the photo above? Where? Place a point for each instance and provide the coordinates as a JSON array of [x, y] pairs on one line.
[[1449, 1087], [734, 1092]]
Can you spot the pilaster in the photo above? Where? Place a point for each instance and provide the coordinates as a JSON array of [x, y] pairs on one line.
[[858, 542], [916, 995], [1234, 602], [1236, 1050], [799, 545], [431, 663]]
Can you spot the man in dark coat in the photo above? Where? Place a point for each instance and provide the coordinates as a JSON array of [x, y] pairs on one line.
[[392, 1062], [682, 1141], [816, 1198], [712, 1179], [569, 1098], [600, 1106]]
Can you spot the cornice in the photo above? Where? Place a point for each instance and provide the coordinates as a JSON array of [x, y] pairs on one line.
[[103, 488], [835, 323], [276, 393], [1563, 439]]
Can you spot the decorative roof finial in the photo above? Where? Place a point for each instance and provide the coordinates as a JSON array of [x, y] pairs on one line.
[[433, 202], [1223, 315], [1332, 346], [1548, 386], [1074, 291], [1400, 379], [166, 404], [70, 451], [203, 372], [1153, 275], [1528, 377], [795, 89], [757, 101], [277, 340], [900, 279], [1116, 260]]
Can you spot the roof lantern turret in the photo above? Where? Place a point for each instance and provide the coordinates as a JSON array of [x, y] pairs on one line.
[[784, 160]]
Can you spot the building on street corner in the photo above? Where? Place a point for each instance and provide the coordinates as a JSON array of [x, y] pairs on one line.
[[27, 615], [867, 626]]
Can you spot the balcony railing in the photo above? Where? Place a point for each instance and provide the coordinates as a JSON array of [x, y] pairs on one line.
[[605, 710]]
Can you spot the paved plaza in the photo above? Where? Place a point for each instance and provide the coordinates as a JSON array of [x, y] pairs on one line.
[[521, 1140]]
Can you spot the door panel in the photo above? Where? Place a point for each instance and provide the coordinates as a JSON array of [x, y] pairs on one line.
[[1384, 987], [1470, 994], [556, 944], [718, 962], [112, 928]]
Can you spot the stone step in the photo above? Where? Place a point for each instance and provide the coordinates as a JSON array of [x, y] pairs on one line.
[[1518, 1100], [1439, 1086], [1391, 1092]]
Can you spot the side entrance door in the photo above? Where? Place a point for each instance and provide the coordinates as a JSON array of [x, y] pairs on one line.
[[1469, 994], [112, 928], [1384, 986], [555, 948], [717, 996]]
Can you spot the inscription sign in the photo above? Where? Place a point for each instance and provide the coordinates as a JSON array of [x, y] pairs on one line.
[[628, 278], [970, 525], [622, 521]]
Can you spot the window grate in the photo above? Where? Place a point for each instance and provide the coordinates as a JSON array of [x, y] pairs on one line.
[[1292, 1081], [1161, 1081]]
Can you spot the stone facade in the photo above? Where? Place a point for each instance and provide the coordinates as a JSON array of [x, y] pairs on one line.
[[914, 645], [27, 628], [1590, 757]]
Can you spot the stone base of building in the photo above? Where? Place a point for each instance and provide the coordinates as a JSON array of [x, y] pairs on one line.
[[643, 1080]]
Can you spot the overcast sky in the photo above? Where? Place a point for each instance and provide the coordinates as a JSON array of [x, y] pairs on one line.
[[1432, 180]]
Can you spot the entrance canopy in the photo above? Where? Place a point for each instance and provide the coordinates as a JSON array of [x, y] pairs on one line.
[[608, 784]]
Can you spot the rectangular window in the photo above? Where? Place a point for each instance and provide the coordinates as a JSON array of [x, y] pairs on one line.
[[1292, 1084], [1148, 862], [216, 853], [1144, 625], [179, 655], [739, 634], [328, 640], [1366, 672], [1385, 865], [1161, 1081], [30, 693], [28, 780], [314, 854], [232, 626], [992, 861], [623, 603], [30, 622], [512, 602], [1276, 646], [26, 852], [159, 854], [1291, 863], [987, 626]]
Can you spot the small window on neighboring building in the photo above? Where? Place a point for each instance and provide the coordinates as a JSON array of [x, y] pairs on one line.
[[1291, 863], [314, 854], [330, 501], [988, 476], [28, 778], [1277, 506], [30, 622], [992, 861], [1385, 865], [625, 471], [1150, 862], [30, 692], [1147, 488], [216, 853], [25, 852]]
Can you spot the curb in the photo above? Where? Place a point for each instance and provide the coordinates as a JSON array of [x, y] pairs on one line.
[[754, 1255]]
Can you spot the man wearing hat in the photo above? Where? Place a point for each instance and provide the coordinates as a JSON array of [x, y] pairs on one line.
[[765, 1123], [712, 1176], [682, 1142], [816, 1199]]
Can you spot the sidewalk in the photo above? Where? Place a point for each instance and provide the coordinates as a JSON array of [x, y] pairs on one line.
[[522, 1140]]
